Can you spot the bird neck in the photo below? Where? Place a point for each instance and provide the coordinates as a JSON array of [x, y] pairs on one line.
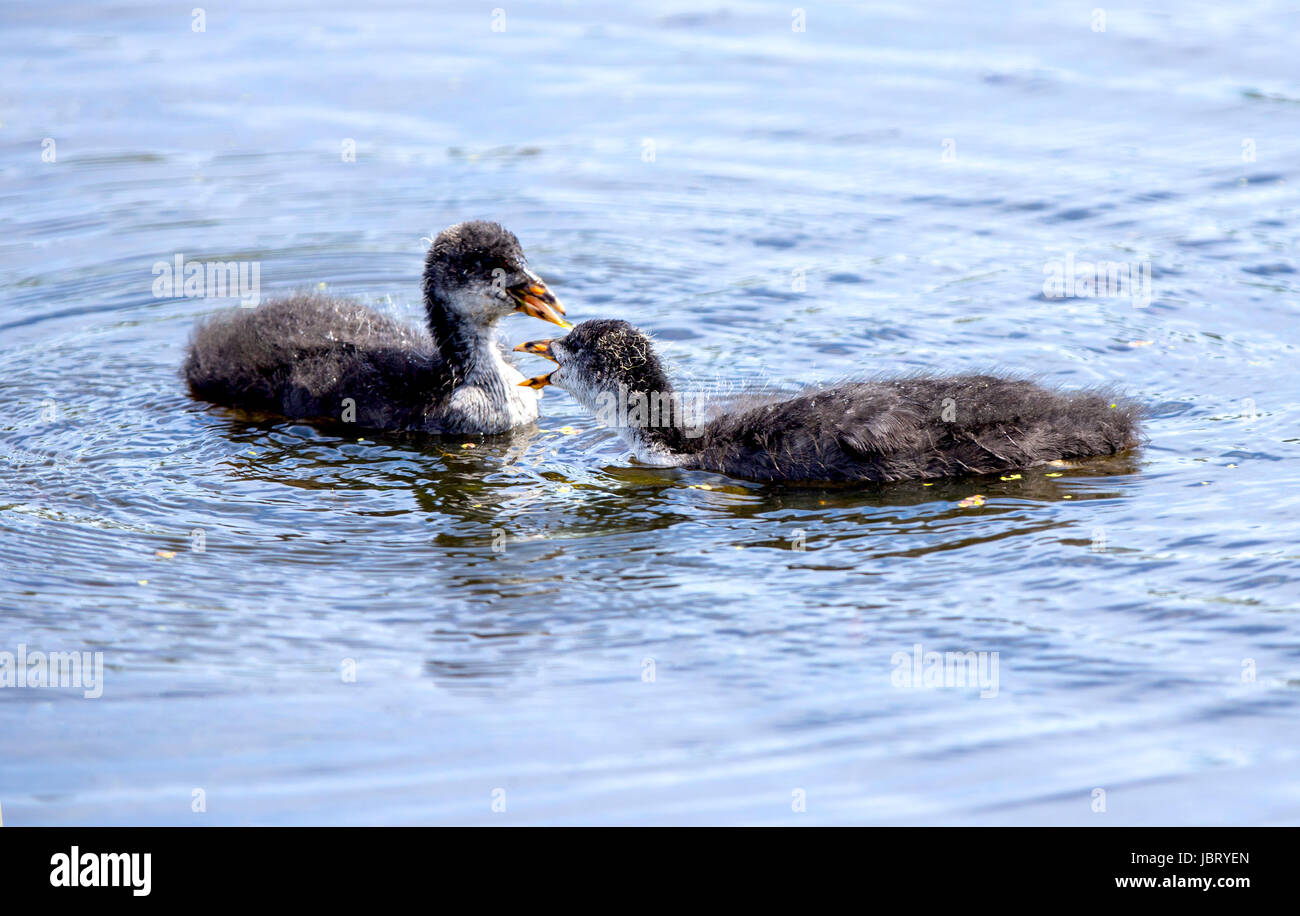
[[659, 425], [467, 348], [655, 447]]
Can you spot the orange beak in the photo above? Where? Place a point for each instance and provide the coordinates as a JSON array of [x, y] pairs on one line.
[[539, 347], [533, 298], [539, 382]]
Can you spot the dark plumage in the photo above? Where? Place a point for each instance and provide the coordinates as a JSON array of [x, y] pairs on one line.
[[321, 357], [907, 428]]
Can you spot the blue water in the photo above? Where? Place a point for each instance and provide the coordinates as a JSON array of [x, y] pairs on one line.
[[538, 625]]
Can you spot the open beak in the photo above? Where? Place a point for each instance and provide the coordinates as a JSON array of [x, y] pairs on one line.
[[538, 347], [533, 298]]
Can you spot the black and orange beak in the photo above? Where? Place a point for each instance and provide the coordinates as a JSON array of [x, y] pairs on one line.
[[533, 298], [538, 382], [538, 347]]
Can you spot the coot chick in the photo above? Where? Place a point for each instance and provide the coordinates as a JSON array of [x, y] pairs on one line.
[[322, 357], [906, 428]]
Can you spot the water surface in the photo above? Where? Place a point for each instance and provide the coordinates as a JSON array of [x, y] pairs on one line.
[[536, 621]]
